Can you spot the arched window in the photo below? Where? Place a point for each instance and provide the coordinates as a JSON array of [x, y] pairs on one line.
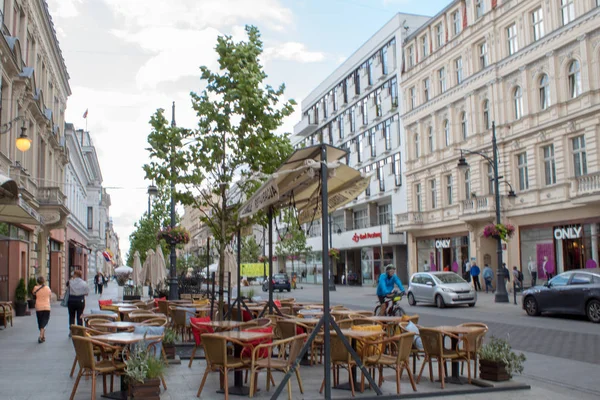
[[464, 125], [417, 146], [468, 184], [518, 102], [447, 132], [574, 79], [430, 140], [544, 92], [486, 114]]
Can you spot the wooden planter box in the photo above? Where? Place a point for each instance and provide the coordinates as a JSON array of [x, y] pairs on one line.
[[149, 390], [169, 351], [131, 297], [493, 371]]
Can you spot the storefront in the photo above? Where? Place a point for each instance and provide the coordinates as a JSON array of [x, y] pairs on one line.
[[435, 254], [553, 249]]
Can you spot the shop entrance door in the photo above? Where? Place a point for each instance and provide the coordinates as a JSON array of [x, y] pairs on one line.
[[572, 254]]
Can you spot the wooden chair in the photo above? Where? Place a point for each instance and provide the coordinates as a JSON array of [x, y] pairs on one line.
[[345, 323], [155, 321], [78, 330], [218, 360], [6, 313], [473, 343], [262, 358], [105, 317], [364, 321], [89, 366], [179, 322], [398, 359], [163, 307], [433, 343], [340, 357], [144, 317]]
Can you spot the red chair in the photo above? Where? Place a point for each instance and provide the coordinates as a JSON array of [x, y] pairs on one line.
[[197, 331]]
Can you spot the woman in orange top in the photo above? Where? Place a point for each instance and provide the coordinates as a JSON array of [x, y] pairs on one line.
[[43, 294]]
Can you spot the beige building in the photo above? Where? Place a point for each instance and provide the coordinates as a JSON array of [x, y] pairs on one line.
[[533, 68]]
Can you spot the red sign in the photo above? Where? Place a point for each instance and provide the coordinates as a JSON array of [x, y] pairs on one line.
[[357, 238]]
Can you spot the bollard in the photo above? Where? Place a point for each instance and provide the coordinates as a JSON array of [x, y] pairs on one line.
[[515, 291]]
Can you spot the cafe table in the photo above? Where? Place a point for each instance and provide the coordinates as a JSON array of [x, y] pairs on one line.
[[126, 305], [119, 325], [238, 387], [221, 325], [389, 321], [124, 339], [310, 312], [458, 331]]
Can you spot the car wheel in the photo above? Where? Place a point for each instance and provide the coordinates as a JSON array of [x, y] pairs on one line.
[[439, 301], [411, 300], [471, 304], [593, 311], [280, 290], [289, 289], [531, 306]]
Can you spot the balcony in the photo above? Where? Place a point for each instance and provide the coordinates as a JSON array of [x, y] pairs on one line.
[[586, 188], [52, 206], [305, 127], [410, 219], [51, 196], [478, 208]]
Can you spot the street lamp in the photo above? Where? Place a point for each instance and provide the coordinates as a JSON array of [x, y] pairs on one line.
[[173, 286], [152, 192], [23, 143], [339, 232], [501, 294]]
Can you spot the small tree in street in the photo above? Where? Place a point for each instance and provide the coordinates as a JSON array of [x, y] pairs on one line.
[[251, 250], [293, 242], [221, 162]]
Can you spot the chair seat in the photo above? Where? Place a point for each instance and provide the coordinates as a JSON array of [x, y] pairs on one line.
[[235, 362], [108, 366], [384, 359], [451, 354], [271, 363]]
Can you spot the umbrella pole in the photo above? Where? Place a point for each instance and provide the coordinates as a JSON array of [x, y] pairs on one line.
[[270, 217], [239, 268]]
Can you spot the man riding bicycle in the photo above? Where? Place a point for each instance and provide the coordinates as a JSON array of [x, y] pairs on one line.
[[386, 285]]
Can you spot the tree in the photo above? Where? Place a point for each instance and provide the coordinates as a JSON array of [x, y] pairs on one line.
[[251, 250], [293, 242], [235, 141]]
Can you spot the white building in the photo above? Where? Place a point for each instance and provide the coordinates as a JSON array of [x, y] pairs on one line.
[[358, 108]]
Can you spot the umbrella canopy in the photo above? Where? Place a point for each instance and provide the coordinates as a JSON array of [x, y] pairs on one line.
[[137, 269], [146, 275], [160, 266], [123, 269], [231, 266]]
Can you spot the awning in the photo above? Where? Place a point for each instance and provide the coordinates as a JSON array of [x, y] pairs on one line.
[[297, 183], [19, 212], [77, 244]]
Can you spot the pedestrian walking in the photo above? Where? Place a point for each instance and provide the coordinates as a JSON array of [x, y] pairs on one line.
[[506, 274], [78, 289], [488, 275], [475, 271], [517, 279], [42, 295], [532, 268], [100, 283], [96, 280]]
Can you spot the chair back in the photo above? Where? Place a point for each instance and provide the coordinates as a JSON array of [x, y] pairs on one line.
[[215, 349], [287, 329], [144, 317], [179, 316], [163, 307], [474, 340], [432, 341], [262, 322], [78, 330], [155, 321], [104, 317], [364, 321], [84, 351], [405, 343], [345, 323], [295, 348], [339, 352]]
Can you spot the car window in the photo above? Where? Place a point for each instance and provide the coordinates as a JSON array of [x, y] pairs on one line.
[[560, 280], [449, 277], [280, 276], [426, 279], [416, 279], [581, 279]]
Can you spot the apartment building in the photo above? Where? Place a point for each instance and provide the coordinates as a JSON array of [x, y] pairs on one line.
[[358, 108], [533, 68]]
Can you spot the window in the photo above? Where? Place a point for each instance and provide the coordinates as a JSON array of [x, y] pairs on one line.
[[417, 146], [560, 280], [513, 44], [483, 55], [396, 168], [353, 119], [335, 99], [384, 214], [411, 56], [412, 98], [537, 19], [381, 176], [442, 79], [372, 142], [370, 71], [384, 60], [574, 79], [579, 156], [377, 99], [359, 147], [424, 46], [433, 193], [356, 83], [387, 134], [479, 8], [90, 218], [464, 125], [523, 171], [345, 91], [447, 132], [418, 197], [456, 22], [365, 112], [449, 190], [468, 184], [486, 114], [544, 92], [426, 89], [341, 127], [361, 219], [491, 180], [439, 35], [394, 92], [518, 102], [567, 10], [582, 279], [549, 165], [325, 107], [459, 70], [430, 140]]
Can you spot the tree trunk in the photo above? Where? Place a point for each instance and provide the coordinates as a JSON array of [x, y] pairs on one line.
[[222, 245]]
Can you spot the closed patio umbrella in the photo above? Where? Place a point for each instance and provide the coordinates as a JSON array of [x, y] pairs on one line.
[[160, 266], [137, 270], [146, 275]]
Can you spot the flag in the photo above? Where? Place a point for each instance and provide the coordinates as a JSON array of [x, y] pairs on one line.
[[107, 254], [85, 113]]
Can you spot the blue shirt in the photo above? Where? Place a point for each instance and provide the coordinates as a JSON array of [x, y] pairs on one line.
[[386, 284], [475, 270]]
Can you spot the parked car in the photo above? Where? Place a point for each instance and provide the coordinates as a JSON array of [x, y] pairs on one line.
[[573, 292], [281, 282], [441, 289]]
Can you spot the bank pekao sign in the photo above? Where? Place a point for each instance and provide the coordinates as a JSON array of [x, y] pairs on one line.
[[569, 232], [442, 243], [363, 236]]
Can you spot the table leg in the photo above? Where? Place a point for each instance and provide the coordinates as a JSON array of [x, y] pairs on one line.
[[238, 387], [455, 378], [121, 394]]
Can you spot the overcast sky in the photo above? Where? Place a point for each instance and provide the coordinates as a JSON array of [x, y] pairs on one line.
[[126, 58]]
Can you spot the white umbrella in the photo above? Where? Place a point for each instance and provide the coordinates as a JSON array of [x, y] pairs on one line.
[[137, 269], [231, 266], [123, 269], [160, 267], [147, 268]]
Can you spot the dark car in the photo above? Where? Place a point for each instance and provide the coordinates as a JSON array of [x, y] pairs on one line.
[[280, 281], [573, 292]]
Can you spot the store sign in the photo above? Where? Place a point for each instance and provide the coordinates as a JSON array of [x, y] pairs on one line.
[[573, 232], [442, 244], [363, 236]]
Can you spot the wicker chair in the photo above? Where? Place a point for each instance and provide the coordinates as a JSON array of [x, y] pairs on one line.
[[473, 342], [340, 357], [155, 321], [144, 317], [105, 317], [6, 313], [198, 331], [89, 366], [180, 324], [433, 343]]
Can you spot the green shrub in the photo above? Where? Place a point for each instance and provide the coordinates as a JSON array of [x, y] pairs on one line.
[[21, 292], [499, 350], [142, 363], [30, 285]]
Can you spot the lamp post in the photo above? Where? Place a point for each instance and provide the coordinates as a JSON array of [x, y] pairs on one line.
[[501, 294], [173, 289], [152, 192], [339, 231], [23, 143]]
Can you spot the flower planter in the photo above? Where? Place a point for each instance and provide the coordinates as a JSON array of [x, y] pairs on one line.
[[169, 351], [128, 297], [493, 371], [31, 303], [148, 390], [20, 309]]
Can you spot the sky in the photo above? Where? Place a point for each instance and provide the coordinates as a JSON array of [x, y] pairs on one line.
[[127, 58]]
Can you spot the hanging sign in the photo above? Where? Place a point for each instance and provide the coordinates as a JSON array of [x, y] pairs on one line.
[[363, 236], [442, 243]]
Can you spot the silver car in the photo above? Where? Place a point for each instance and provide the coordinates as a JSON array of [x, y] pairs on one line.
[[441, 289]]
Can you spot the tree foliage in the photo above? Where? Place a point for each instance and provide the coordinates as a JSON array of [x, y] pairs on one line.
[[292, 243], [251, 250], [220, 163]]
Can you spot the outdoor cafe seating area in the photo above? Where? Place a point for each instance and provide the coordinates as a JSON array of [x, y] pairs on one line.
[[248, 350]]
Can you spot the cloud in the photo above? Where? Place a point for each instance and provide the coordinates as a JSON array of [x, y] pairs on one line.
[[64, 8], [293, 51]]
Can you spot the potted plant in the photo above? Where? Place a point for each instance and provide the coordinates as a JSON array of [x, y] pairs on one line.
[[21, 299], [174, 236], [144, 370], [30, 285], [334, 253], [169, 343], [499, 231], [132, 293], [497, 361]]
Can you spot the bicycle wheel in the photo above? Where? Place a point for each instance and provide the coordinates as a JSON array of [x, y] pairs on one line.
[[399, 311], [377, 309]]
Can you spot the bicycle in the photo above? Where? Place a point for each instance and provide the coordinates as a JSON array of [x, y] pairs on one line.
[[394, 309]]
